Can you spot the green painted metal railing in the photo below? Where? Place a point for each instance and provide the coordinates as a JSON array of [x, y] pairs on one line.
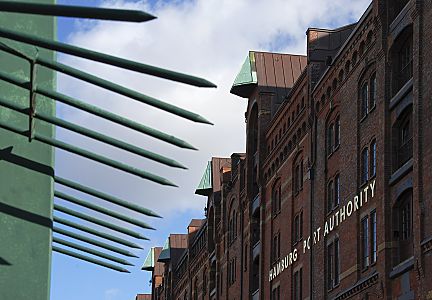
[[31, 111]]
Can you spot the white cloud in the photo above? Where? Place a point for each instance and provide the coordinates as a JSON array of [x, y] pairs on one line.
[[208, 38]]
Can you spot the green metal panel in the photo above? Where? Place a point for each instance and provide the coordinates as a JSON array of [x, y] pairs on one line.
[[206, 181], [165, 254], [149, 262], [26, 192], [246, 78]]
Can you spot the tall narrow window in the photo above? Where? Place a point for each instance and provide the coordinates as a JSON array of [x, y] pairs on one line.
[[405, 62], [337, 132], [298, 228], [276, 247], [373, 231], [373, 158], [298, 285], [330, 263], [330, 139], [337, 190], [333, 267], [336, 262], [364, 166], [330, 196], [403, 227], [364, 100], [365, 242], [275, 295], [373, 92], [298, 177], [276, 198]]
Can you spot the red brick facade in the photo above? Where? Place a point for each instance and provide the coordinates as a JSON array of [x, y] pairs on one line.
[[331, 199]]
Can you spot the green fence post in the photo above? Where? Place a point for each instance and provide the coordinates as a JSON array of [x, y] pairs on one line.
[[26, 192]]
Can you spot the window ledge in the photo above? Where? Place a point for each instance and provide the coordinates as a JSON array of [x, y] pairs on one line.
[[402, 267], [402, 171], [407, 87]]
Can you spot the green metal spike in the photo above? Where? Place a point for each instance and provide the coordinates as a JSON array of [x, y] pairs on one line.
[[92, 241], [95, 135], [89, 259], [91, 251], [110, 14], [103, 210], [91, 155], [107, 59], [53, 95], [95, 232], [98, 222], [106, 197], [121, 90]]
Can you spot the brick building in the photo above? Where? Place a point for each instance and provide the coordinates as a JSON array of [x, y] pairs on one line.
[[330, 199]]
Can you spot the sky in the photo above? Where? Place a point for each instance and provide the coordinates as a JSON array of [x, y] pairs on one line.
[[206, 38]]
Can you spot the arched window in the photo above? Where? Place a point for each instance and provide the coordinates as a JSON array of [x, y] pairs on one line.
[[402, 60], [354, 58], [337, 132], [276, 198], [330, 196], [330, 139], [337, 191], [298, 176], [403, 146], [364, 166], [364, 99], [373, 92], [402, 226], [195, 292], [204, 284], [373, 158], [347, 67], [361, 48]]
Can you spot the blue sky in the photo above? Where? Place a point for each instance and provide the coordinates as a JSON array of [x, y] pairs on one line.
[[208, 38]]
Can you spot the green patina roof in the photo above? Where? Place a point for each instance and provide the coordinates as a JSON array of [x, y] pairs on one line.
[[206, 181], [246, 77], [149, 262], [165, 254]]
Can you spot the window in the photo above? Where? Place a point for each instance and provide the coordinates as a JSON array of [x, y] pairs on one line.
[[337, 132], [276, 247], [373, 230], [403, 227], [373, 158], [232, 271], [330, 139], [275, 294], [373, 92], [405, 62], [245, 263], [195, 292], [365, 242], [298, 285], [364, 100], [204, 284], [232, 227], [403, 146], [333, 264], [276, 198], [368, 240], [337, 191], [330, 196], [364, 166], [298, 228], [298, 177]]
